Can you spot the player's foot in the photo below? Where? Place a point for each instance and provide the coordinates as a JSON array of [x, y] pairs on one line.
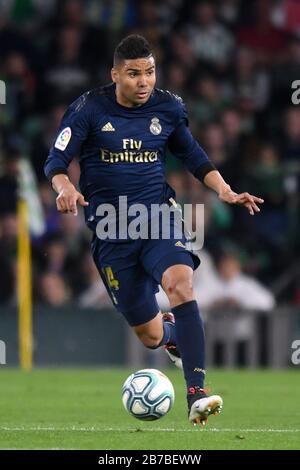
[[171, 348], [200, 405]]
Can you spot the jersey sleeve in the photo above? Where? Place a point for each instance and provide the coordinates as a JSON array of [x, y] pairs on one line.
[[184, 146], [73, 131]]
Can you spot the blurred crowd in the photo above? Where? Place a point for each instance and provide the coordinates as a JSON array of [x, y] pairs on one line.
[[232, 61]]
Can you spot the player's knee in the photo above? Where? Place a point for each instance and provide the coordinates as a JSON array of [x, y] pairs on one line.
[[179, 289], [150, 341]]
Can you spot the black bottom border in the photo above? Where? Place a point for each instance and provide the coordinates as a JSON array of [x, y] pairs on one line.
[[135, 458]]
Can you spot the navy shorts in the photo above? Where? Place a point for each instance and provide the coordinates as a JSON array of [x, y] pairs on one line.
[[132, 271]]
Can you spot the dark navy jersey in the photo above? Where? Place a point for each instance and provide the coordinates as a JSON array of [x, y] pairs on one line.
[[122, 150]]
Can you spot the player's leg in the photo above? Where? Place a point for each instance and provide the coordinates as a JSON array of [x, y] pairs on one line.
[[151, 333], [172, 266], [159, 331], [132, 291], [177, 282]]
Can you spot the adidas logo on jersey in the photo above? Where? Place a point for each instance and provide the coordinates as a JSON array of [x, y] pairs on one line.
[[180, 244], [108, 127]]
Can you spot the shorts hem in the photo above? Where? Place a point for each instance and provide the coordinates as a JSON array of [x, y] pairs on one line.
[[185, 257]]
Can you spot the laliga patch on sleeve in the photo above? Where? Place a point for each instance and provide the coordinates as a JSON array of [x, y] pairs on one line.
[[63, 139]]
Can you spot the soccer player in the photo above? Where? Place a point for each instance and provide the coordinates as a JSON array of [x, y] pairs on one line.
[[121, 132]]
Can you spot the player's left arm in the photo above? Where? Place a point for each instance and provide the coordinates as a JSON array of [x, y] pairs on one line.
[[185, 147], [214, 180]]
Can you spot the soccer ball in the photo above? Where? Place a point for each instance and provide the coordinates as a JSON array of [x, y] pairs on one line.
[[148, 394]]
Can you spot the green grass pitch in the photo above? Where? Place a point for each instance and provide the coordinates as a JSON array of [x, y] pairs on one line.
[[82, 409]]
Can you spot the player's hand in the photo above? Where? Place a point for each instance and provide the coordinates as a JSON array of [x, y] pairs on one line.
[[68, 198], [244, 199]]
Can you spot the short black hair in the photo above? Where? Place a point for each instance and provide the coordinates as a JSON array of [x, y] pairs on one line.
[[133, 46]]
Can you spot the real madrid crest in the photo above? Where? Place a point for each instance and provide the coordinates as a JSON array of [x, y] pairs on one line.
[[155, 126]]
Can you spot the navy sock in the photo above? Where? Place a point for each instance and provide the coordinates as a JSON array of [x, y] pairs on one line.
[[169, 333], [191, 342]]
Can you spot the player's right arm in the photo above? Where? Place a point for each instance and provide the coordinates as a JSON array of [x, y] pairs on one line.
[[68, 196], [72, 133]]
